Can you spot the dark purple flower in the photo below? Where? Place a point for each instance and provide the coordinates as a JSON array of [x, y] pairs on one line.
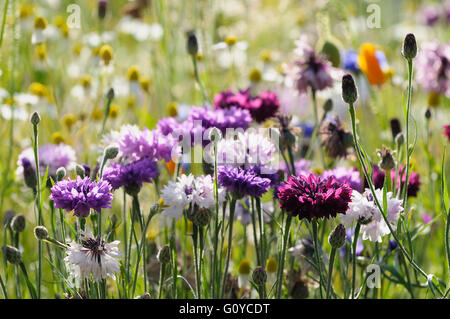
[[131, 175], [264, 107], [227, 99], [413, 182], [447, 131], [241, 182], [313, 197], [392, 246], [81, 195]]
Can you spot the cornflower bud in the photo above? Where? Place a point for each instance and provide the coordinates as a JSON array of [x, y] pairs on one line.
[[40, 232], [259, 276], [111, 151], [164, 255], [349, 90], [79, 170], [60, 174], [12, 254], [192, 43], [409, 47], [337, 237], [18, 223], [35, 118], [387, 162]]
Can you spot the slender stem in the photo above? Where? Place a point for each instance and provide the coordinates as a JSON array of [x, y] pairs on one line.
[[161, 279], [29, 284], [196, 262], [283, 255], [354, 245], [197, 78], [230, 238], [408, 106], [330, 270], [317, 253], [261, 231]]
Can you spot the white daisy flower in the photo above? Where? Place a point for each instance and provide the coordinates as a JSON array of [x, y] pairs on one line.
[[93, 258], [364, 209]]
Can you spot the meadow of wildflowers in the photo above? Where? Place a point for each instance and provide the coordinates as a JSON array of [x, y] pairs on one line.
[[224, 149]]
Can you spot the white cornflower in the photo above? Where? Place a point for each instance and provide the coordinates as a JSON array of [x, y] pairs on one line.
[[249, 148], [364, 209], [189, 190], [93, 257]]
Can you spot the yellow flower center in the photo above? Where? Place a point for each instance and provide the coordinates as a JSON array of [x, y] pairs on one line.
[[244, 267], [40, 23]]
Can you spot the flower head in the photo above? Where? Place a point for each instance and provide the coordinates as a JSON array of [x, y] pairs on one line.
[[314, 197], [241, 182], [81, 195], [342, 174], [364, 209], [50, 156], [93, 258]]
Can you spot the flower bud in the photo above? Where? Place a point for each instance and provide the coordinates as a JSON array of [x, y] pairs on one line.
[[12, 254], [215, 135], [259, 276], [202, 217], [400, 139], [349, 90], [395, 127], [87, 170], [111, 151], [428, 114], [144, 296], [387, 162], [164, 255], [337, 236], [60, 174], [102, 5], [35, 118], [409, 47], [79, 170], [110, 95], [40, 232], [18, 223], [328, 105], [7, 218], [192, 44], [29, 174]]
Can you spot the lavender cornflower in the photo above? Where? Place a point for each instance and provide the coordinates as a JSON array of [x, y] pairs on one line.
[[314, 197], [342, 174], [350, 61], [302, 167], [310, 70], [81, 195], [131, 175], [433, 68], [51, 156]]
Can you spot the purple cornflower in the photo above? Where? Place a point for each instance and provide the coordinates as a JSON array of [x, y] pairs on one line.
[[447, 131], [313, 197], [349, 233], [413, 181], [227, 99], [310, 70], [81, 195], [342, 174], [242, 182], [51, 156], [433, 68], [430, 15], [302, 167], [350, 61], [131, 175], [264, 107]]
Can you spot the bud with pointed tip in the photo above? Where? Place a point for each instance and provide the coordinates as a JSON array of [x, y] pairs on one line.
[[40, 232], [60, 174], [428, 113], [7, 218], [29, 174], [328, 105], [349, 90], [164, 255], [12, 254], [111, 151], [102, 4], [259, 276], [192, 43], [215, 135], [110, 95], [337, 237], [35, 118], [395, 127], [409, 47], [18, 223]]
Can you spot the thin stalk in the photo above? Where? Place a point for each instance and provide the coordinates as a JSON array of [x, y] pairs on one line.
[[29, 284], [354, 244], [408, 155], [161, 279], [286, 231], [330, 270], [317, 253], [230, 238]]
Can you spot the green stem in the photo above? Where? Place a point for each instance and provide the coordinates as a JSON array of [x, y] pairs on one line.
[[161, 279], [230, 239], [283, 255], [317, 253], [330, 270], [29, 284], [354, 244]]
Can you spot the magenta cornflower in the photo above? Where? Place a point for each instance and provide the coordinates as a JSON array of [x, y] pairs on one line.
[[314, 197], [447, 131], [413, 182], [342, 174], [81, 195]]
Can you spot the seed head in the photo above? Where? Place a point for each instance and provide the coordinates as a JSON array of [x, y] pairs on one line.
[[337, 236], [259, 276]]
